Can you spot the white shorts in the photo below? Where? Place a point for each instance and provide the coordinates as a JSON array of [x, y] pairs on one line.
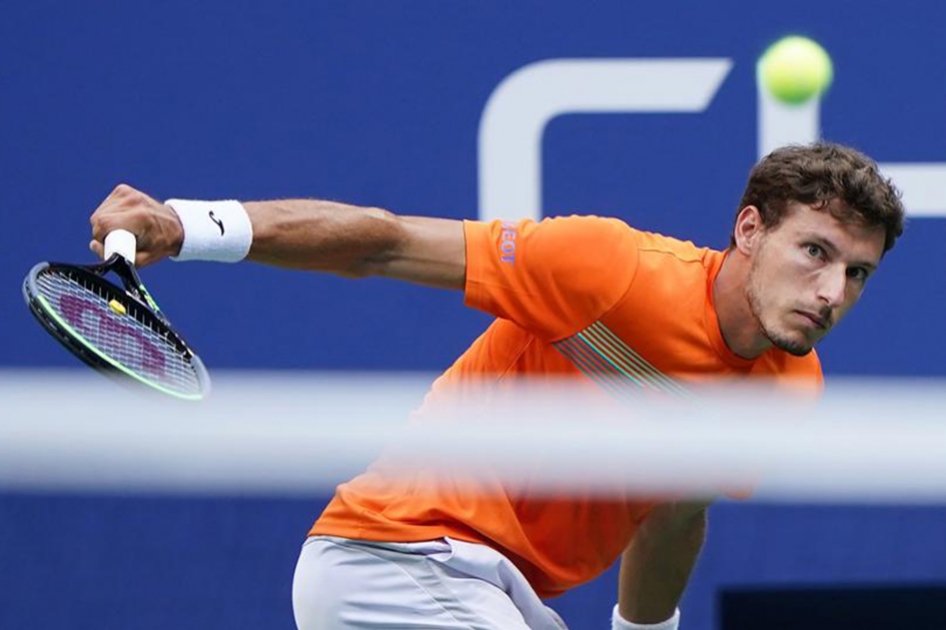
[[343, 584]]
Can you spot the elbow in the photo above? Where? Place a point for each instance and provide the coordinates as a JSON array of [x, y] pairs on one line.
[[389, 238], [380, 236]]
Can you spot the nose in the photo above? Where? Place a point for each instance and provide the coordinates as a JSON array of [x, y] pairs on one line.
[[833, 286]]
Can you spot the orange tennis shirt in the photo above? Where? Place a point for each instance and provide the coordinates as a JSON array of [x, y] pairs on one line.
[[584, 297]]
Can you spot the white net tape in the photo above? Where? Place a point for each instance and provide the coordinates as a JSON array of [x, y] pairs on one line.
[[296, 434]]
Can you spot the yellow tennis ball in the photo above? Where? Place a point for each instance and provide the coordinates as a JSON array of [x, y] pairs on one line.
[[118, 307], [795, 69]]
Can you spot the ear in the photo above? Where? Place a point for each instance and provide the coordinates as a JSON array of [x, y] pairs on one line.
[[748, 230]]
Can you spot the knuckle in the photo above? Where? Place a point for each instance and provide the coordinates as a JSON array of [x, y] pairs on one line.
[[108, 223], [127, 197], [132, 199]]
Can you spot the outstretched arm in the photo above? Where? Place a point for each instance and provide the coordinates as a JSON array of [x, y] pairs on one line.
[[306, 234], [656, 565]]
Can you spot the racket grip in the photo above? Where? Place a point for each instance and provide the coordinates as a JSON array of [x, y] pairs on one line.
[[123, 243]]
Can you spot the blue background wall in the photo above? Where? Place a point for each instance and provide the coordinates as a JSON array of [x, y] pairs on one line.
[[378, 103]]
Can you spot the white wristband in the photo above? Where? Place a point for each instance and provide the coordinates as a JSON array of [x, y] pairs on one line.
[[213, 230], [620, 623]]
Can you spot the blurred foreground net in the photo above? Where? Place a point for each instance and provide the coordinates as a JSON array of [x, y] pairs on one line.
[[293, 434]]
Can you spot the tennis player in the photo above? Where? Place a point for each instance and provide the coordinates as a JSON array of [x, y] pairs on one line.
[[584, 297]]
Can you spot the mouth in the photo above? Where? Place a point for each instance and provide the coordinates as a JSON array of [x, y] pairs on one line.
[[816, 320]]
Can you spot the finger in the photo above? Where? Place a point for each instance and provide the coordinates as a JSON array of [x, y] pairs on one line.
[[107, 206], [117, 219], [103, 221], [108, 215], [97, 248]]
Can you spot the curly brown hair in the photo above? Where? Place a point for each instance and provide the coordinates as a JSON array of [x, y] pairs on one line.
[[817, 174]]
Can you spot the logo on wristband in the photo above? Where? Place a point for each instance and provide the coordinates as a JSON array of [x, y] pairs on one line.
[[217, 221]]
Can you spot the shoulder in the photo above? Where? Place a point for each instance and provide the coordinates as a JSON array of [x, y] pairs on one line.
[[553, 276], [669, 249], [669, 268], [570, 245], [593, 241], [581, 230]]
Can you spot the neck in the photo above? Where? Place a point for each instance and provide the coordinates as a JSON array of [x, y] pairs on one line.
[[740, 328]]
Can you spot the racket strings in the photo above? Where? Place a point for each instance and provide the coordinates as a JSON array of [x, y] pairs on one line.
[[133, 340]]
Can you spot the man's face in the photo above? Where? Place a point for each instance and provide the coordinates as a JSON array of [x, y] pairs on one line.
[[807, 272]]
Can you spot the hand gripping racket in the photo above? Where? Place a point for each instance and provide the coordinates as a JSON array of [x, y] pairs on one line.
[[119, 331]]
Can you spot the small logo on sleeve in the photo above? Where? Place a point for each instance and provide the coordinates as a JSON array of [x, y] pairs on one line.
[[217, 221], [507, 243]]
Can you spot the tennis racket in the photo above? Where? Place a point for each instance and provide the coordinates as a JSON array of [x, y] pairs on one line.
[[119, 331]]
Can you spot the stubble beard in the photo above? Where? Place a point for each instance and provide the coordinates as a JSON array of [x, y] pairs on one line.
[[790, 346]]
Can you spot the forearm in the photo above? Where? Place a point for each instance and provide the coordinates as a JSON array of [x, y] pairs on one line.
[[322, 235], [657, 564], [353, 241]]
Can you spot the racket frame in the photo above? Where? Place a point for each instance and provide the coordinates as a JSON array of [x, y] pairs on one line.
[[133, 290]]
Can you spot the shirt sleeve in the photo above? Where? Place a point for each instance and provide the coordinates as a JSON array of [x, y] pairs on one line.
[[553, 277]]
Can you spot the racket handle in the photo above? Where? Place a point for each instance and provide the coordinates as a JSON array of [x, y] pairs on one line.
[[123, 243]]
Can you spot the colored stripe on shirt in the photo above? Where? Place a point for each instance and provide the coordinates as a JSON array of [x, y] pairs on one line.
[[609, 361]]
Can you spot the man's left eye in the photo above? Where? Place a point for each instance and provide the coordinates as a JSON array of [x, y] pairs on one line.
[[814, 251], [857, 273]]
